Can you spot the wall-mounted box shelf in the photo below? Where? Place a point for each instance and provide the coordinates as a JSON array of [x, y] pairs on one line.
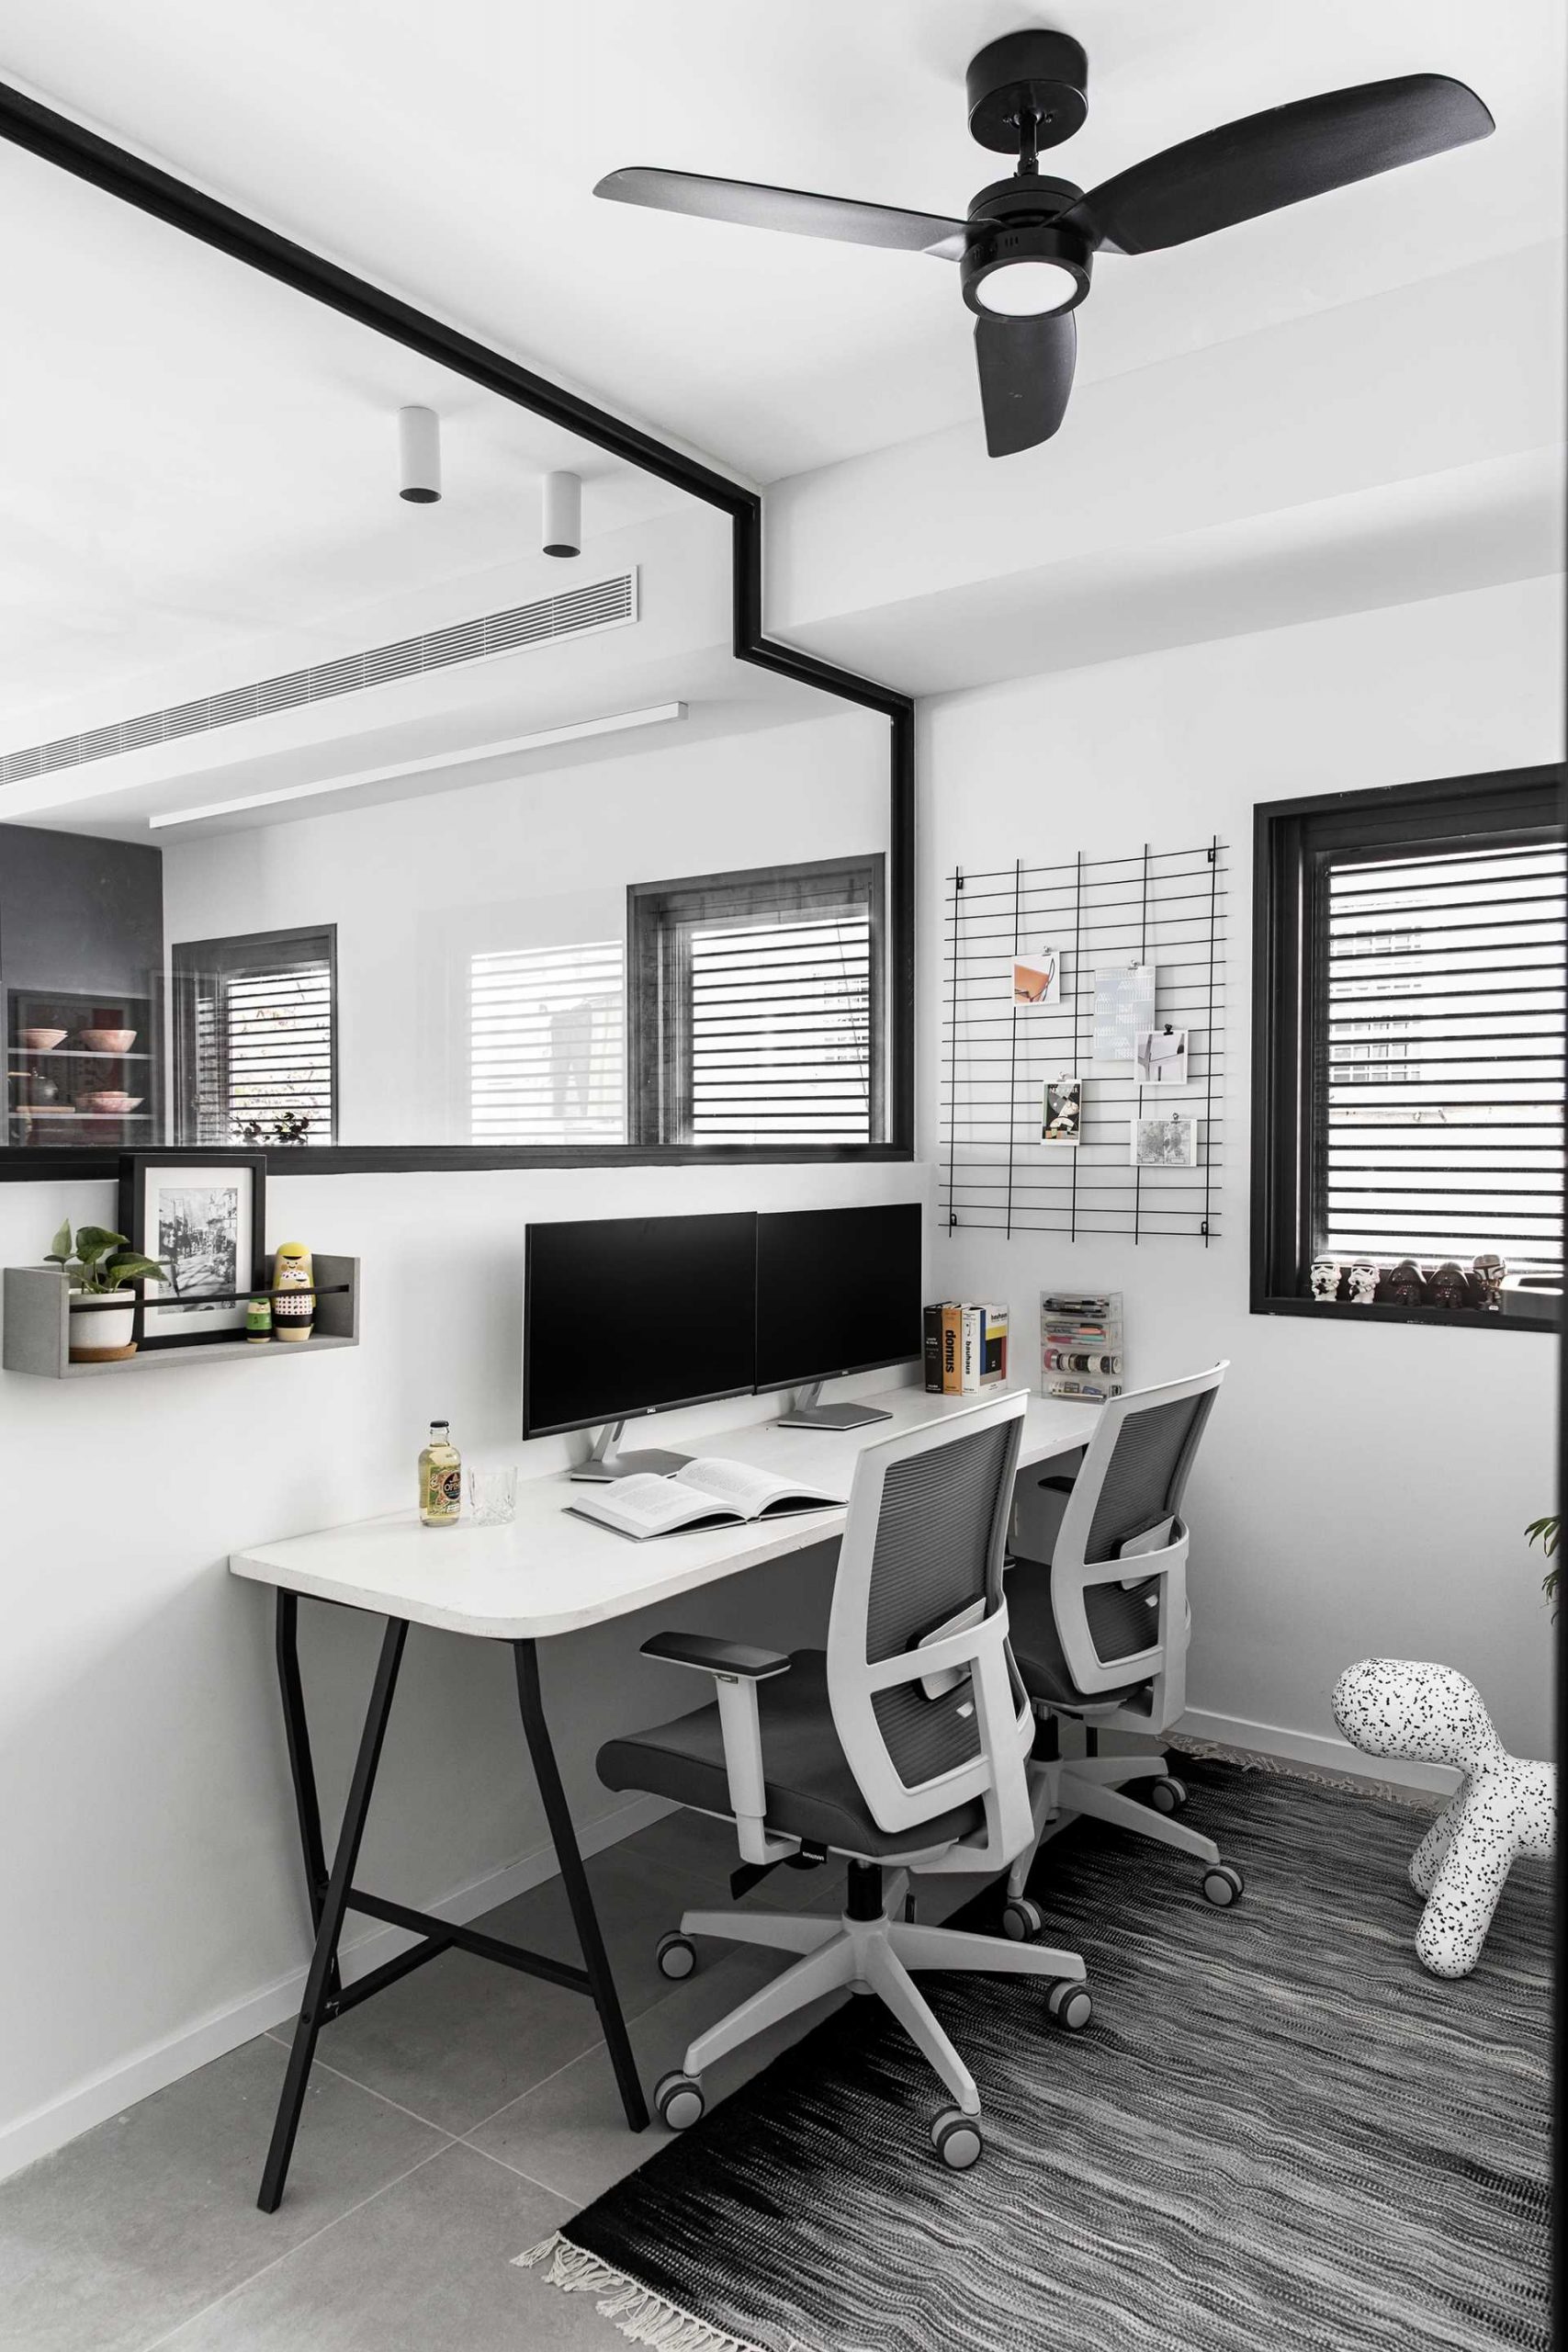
[[37, 1331]]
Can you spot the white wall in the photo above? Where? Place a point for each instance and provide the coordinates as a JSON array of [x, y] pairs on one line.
[[154, 1906], [1361, 1491], [417, 888]]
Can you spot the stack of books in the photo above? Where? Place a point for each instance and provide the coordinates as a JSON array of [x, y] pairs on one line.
[[1081, 1351], [966, 1348]]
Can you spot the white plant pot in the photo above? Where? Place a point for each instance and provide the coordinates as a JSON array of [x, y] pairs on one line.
[[99, 1334]]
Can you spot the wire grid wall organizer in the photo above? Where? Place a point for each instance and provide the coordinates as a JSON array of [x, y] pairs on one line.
[[1163, 908]]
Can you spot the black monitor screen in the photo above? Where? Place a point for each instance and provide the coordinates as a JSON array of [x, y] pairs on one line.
[[837, 1290], [625, 1315]]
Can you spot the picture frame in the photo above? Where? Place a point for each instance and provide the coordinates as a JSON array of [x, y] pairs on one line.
[[203, 1212]]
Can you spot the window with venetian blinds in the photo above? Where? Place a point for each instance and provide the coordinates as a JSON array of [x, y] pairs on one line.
[[1440, 1070], [255, 1033], [758, 1007]]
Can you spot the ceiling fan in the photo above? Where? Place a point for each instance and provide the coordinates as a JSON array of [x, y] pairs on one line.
[[1026, 250]]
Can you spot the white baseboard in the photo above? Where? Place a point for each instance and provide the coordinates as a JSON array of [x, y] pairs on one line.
[[119, 2086], [1323, 1752]]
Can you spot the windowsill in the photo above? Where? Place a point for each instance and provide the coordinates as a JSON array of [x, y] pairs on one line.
[[1466, 1318]]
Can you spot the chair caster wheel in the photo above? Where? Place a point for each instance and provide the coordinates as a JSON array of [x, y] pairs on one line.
[[1224, 1884], [677, 1956], [957, 2139], [1021, 1918], [680, 2101], [1071, 2004], [1169, 1795]]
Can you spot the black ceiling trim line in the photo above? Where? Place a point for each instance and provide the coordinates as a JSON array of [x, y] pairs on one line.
[[56, 138]]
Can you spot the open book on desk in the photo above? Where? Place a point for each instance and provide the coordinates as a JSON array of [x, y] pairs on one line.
[[708, 1492]]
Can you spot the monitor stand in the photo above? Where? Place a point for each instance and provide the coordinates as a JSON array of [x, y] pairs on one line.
[[604, 1464], [805, 1413]]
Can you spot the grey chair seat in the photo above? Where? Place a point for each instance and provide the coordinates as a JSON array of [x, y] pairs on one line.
[[811, 1791], [1121, 1622]]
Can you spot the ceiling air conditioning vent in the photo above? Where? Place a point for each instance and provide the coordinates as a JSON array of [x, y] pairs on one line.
[[603, 604]]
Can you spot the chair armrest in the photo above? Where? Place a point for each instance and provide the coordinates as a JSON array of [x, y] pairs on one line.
[[737, 1669], [716, 1656]]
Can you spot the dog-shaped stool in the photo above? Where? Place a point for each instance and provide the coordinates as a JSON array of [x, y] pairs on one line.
[[1395, 1706]]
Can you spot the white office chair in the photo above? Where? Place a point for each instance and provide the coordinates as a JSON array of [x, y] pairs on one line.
[[901, 1747], [1100, 1623]]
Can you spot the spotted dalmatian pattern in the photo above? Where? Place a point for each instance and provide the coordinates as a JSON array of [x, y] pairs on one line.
[[1393, 1706]]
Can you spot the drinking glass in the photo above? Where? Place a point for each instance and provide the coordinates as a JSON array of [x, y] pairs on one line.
[[492, 1494]]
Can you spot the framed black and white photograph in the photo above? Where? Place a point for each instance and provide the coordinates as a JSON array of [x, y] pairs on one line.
[[1061, 1110], [202, 1216], [1164, 1139], [1161, 1056]]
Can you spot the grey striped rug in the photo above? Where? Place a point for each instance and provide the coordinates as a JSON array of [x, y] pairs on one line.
[[1278, 2133]]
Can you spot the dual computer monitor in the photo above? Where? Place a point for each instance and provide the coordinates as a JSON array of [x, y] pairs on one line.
[[627, 1316]]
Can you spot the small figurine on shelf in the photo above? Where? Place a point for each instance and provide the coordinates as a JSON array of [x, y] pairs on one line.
[[258, 1318], [293, 1292], [1489, 1270], [1324, 1279], [1363, 1283]]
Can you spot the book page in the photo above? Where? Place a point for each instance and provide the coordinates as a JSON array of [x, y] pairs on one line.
[[646, 1504], [734, 1483], [745, 1489]]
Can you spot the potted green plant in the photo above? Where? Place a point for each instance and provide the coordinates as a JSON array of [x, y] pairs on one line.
[[99, 1265], [1546, 1532]]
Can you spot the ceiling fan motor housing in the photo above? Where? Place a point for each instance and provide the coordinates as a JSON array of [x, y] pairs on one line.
[[1018, 221], [1043, 73]]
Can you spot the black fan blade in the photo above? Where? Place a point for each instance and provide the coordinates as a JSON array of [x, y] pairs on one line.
[[1026, 374], [792, 208], [1268, 161]]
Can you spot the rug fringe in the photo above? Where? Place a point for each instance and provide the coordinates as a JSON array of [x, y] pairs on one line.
[[642, 2316], [1252, 1759]]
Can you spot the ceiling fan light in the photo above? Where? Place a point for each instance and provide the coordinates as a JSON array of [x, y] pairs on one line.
[[1028, 289]]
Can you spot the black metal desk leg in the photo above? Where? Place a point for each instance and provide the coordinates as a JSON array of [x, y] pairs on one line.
[[302, 1770], [334, 1904], [578, 1894]]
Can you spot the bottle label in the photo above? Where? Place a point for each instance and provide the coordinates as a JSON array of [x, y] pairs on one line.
[[442, 1492]]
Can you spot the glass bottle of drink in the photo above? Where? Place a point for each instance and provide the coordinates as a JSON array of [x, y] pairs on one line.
[[440, 1479]]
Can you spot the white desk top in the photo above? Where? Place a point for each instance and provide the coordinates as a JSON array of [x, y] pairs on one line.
[[550, 1573]]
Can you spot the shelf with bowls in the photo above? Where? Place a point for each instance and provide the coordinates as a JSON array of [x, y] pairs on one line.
[[81, 1068]]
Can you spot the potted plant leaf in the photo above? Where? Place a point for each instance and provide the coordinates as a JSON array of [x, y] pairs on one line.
[[99, 1265], [1545, 1533]]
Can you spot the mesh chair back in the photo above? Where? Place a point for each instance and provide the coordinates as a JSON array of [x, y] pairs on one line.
[[1118, 1552], [922, 1555], [1150, 1459], [938, 1538], [940, 1542]]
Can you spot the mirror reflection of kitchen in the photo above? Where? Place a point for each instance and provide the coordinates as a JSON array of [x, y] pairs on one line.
[[342, 802]]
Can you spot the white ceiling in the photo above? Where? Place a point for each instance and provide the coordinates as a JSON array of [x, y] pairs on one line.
[[450, 153], [199, 470]]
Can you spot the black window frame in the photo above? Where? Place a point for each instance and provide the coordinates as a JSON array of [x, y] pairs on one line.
[[1293, 843], [657, 913], [128, 178], [189, 959]]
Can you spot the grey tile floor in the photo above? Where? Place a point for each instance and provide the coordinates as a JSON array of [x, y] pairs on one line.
[[457, 2118]]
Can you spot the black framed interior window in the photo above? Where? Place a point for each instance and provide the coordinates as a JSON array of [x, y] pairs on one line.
[[255, 1038], [1409, 969], [756, 1006]]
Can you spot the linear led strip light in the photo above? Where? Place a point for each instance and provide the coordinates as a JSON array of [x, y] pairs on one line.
[[544, 739]]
